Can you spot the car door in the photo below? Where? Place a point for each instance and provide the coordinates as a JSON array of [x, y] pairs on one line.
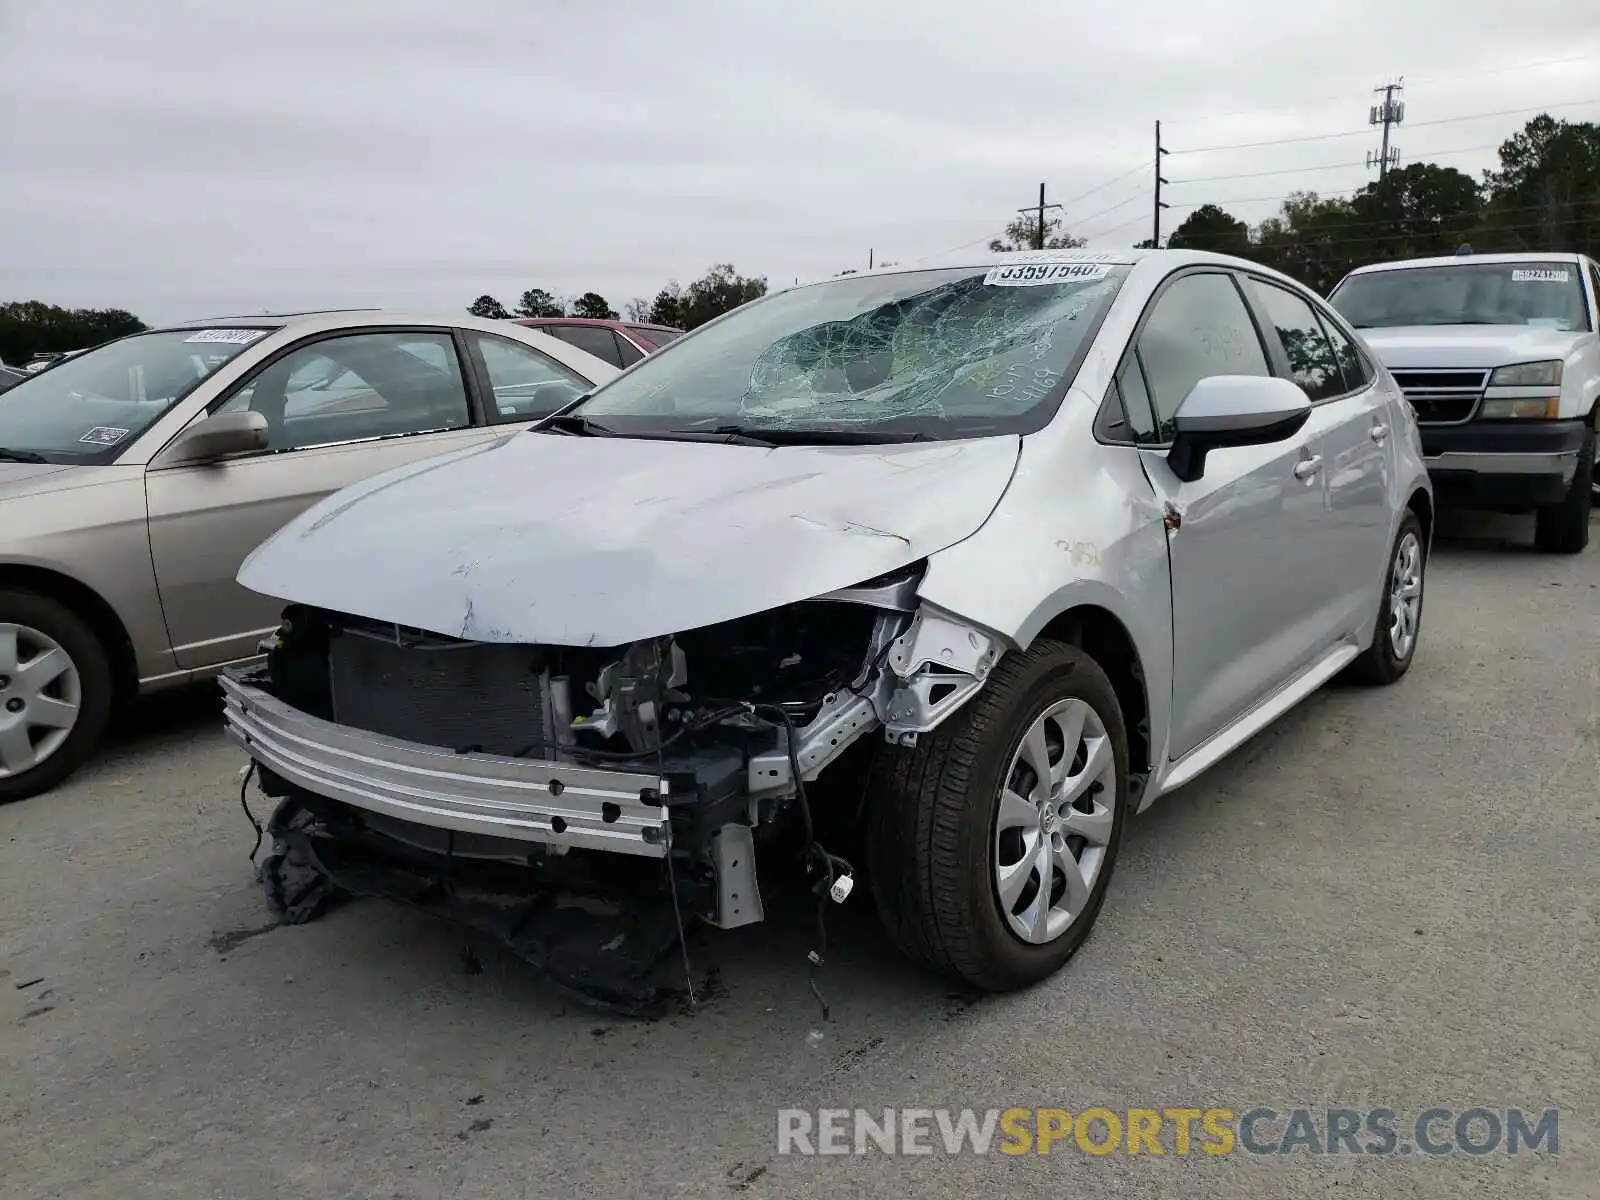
[[1349, 433], [339, 408], [1243, 568]]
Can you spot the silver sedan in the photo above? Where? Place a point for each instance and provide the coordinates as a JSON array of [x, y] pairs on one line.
[[135, 477], [1057, 531]]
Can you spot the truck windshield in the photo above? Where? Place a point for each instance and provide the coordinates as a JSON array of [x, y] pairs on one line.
[[931, 354], [86, 408], [1513, 293]]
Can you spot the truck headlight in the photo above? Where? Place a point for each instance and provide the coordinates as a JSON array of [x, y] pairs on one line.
[[1542, 408], [1533, 374]]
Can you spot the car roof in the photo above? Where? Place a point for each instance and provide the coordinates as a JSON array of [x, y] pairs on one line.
[[315, 321], [1457, 260], [607, 322], [974, 259]]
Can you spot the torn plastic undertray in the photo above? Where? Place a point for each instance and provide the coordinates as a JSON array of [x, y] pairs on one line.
[[611, 960]]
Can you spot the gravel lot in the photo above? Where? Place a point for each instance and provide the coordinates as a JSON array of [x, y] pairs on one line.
[[1389, 899]]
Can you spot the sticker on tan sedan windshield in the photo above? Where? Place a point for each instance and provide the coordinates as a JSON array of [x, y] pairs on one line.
[[1034, 274], [235, 337], [104, 435], [1540, 275]]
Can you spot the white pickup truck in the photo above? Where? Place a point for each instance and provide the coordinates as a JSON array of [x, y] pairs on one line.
[[1499, 354]]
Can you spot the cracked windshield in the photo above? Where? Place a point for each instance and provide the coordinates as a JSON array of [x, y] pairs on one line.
[[935, 354]]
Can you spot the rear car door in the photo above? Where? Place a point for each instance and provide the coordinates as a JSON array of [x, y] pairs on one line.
[[1243, 569], [339, 408], [1349, 433]]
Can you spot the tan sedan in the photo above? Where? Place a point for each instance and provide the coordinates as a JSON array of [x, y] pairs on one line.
[[135, 477]]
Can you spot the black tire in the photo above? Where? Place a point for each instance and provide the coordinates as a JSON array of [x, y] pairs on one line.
[[72, 634], [1564, 528], [1379, 664], [931, 817]]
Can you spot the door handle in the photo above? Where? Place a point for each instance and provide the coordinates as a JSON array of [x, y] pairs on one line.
[[1380, 432], [1306, 468]]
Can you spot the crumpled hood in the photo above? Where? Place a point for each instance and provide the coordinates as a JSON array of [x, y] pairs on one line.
[[1415, 347], [604, 541]]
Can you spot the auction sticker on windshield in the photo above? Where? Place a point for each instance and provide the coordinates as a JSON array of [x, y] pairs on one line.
[[1540, 275], [235, 337], [1034, 274], [104, 435]]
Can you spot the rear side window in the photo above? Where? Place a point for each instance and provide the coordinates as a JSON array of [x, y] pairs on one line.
[[630, 353], [1305, 343], [1353, 366], [592, 339], [525, 384], [1200, 327]]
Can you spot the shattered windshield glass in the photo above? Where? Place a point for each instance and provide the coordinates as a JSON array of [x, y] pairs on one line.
[[947, 353]]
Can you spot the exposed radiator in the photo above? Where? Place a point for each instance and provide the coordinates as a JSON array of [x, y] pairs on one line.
[[440, 693]]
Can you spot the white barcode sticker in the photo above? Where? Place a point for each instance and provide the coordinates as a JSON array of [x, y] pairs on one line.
[[1035, 274], [234, 337], [1540, 275]]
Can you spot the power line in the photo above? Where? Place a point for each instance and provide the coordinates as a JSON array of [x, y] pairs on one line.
[[1302, 105], [1332, 166], [1322, 137], [1142, 167]]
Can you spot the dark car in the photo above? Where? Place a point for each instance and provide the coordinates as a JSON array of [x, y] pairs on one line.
[[620, 343]]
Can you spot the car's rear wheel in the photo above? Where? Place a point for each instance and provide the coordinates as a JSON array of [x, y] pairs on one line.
[[991, 842], [1564, 528], [1399, 625], [55, 693]]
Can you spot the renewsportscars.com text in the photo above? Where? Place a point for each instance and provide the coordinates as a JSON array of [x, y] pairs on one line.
[[1256, 1130]]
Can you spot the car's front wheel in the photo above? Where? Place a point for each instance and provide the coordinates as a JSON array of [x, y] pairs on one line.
[[1564, 528], [991, 842], [1399, 626], [55, 693]]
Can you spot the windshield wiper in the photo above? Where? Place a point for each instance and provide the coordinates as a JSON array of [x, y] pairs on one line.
[[22, 456], [574, 424], [744, 435]]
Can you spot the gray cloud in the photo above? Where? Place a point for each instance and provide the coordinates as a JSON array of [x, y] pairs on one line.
[[180, 158]]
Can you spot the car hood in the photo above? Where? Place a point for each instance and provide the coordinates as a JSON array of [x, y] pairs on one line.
[[604, 541], [23, 479], [1414, 347]]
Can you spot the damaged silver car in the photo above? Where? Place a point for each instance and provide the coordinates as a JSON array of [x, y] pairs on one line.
[[930, 576]]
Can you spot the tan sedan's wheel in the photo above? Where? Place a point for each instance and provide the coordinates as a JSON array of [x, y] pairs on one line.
[[55, 693]]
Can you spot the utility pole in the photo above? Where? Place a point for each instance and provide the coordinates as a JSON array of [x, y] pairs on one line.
[[1155, 231], [869, 259], [1038, 233], [1391, 112]]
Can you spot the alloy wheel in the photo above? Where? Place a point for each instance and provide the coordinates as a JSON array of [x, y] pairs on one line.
[[1405, 596], [1055, 821]]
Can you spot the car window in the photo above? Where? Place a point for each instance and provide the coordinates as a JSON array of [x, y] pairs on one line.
[[1520, 292], [656, 338], [358, 386], [1594, 283], [1200, 327], [1135, 396], [1305, 344], [525, 384], [594, 339], [1353, 366], [630, 353]]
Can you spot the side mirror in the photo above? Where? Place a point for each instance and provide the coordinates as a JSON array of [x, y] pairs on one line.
[[216, 437], [1233, 410]]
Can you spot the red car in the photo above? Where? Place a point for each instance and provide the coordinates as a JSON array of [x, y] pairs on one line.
[[620, 343]]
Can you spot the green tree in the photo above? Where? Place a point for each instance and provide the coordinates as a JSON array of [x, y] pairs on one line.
[[1023, 233], [666, 308], [1416, 211], [593, 305], [721, 290], [1546, 194], [29, 327], [1211, 228], [536, 302], [489, 308], [1312, 240]]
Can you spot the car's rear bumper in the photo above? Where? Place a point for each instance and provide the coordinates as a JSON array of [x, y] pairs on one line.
[[525, 800], [1502, 464]]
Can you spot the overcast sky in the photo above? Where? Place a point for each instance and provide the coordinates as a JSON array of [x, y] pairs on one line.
[[218, 156]]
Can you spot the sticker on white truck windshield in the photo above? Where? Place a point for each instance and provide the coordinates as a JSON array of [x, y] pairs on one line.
[[1034, 274], [234, 337], [104, 435], [1540, 275]]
